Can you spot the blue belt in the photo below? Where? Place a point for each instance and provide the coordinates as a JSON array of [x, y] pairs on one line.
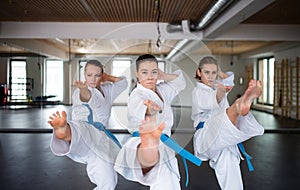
[[200, 125], [241, 147], [247, 156], [101, 127], [178, 149]]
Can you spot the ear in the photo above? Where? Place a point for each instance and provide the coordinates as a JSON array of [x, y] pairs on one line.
[[136, 75], [198, 73]]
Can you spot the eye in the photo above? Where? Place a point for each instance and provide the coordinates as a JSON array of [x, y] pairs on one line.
[[155, 72]]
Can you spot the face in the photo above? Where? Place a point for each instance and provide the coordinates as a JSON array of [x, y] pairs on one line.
[[147, 74], [208, 74], [92, 75]]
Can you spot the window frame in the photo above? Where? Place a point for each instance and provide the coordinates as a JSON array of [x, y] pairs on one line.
[[260, 100], [11, 83], [46, 71]]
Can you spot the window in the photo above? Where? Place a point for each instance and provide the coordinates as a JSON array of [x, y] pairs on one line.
[[122, 68], [18, 80], [54, 79], [81, 70], [265, 73], [161, 66]]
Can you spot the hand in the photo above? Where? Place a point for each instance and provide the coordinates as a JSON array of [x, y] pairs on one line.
[[161, 75], [228, 88], [80, 84], [152, 108], [108, 78], [104, 78], [166, 77]]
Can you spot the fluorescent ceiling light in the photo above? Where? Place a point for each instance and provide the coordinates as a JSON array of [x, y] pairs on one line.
[[177, 47], [212, 12]]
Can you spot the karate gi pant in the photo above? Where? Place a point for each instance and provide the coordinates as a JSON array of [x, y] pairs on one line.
[[217, 141], [163, 176], [93, 148]]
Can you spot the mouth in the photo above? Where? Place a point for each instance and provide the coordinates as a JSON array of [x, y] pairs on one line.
[[150, 83]]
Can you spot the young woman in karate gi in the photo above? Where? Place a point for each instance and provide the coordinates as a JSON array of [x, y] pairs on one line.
[[221, 127], [146, 159], [80, 140]]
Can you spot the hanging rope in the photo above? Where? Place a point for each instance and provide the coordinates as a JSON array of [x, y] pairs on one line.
[[157, 9], [69, 46], [231, 62], [149, 47]]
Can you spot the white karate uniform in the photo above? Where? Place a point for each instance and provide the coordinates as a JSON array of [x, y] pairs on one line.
[[217, 140], [165, 174], [90, 145]]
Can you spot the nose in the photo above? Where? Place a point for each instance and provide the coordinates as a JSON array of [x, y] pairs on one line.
[[150, 75], [210, 76]]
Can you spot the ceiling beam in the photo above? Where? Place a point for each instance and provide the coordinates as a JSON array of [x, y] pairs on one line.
[[259, 32], [46, 30], [235, 15], [270, 50], [37, 47]]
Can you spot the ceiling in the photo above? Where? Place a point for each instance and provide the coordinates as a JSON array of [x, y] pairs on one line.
[[169, 13]]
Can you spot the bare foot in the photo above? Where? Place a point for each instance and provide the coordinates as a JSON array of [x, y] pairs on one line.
[[150, 133], [59, 123], [253, 91], [148, 154]]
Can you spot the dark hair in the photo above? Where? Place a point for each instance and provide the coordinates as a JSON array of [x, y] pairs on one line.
[[145, 57], [95, 63], [206, 60]]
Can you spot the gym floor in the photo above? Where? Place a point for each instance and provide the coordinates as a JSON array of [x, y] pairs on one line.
[[26, 161]]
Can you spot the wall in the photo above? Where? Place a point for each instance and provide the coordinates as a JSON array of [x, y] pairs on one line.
[[290, 53], [289, 86], [34, 70], [189, 64], [72, 71], [3, 70]]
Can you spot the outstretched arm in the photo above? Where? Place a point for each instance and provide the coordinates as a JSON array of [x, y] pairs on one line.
[[60, 126], [85, 94], [221, 92], [147, 153], [222, 88]]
